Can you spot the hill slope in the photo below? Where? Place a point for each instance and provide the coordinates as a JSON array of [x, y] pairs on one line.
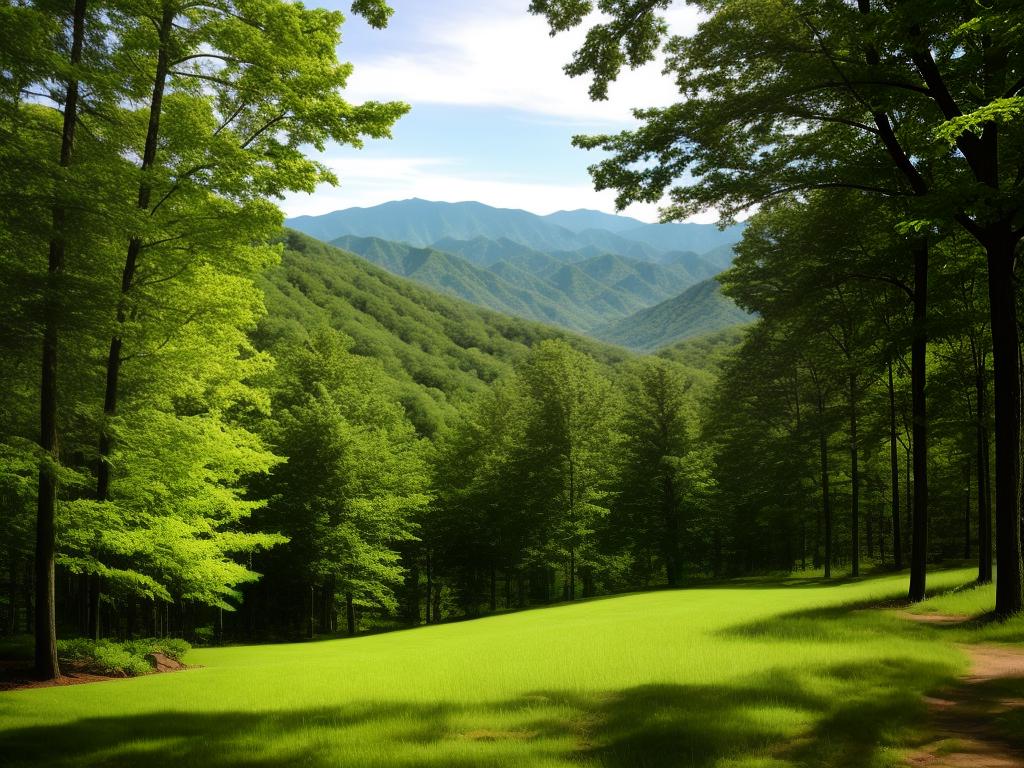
[[530, 284], [699, 309], [437, 349]]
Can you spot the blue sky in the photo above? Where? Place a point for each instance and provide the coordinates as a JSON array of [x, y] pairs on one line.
[[492, 113]]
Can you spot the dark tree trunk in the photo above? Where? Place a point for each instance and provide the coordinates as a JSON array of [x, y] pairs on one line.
[[95, 589], [430, 587], [671, 544], [46, 665], [826, 503], [493, 598], [918, 354], [854, 482], [881, 534], [869, 534], [12, 594], [1002, 289], [350, 614], [803, 544], [311, 626], [984, 489], [967, 510], [436, 603], [894, 468]]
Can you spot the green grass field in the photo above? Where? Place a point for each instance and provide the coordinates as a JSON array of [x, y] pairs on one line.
[[762, 674]]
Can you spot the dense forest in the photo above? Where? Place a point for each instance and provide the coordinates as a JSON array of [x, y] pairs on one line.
[[216, 428]]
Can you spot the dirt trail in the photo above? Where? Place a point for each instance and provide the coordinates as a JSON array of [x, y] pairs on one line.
[[962, 715]]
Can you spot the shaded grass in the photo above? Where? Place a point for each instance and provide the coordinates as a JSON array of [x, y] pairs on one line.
[[752, 675]]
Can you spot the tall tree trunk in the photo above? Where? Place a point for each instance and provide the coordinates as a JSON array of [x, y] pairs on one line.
[[869, 534], [671, 544], [350, 614], [493, 597], [967, 509], [311, 618], [46, 665], [95, 589], [430, 587], [110, 394], [881, 534], [984, 491], [918, 355], [894, 479], [1002, 289], [11, 626], [854, 482], [826, 503]]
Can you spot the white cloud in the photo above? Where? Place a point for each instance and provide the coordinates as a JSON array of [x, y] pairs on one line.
[[369, 181], [506, 58]]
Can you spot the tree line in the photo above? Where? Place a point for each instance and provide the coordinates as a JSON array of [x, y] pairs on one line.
[[912, 109]]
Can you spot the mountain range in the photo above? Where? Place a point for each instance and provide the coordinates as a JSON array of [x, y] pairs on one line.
[[611, 277]]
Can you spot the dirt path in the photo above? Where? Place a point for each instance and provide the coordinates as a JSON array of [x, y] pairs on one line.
[[962, 715]]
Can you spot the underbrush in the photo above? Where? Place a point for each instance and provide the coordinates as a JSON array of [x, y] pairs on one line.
[[107, 657]]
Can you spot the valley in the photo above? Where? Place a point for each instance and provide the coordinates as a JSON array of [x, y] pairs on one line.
[[616, 279]]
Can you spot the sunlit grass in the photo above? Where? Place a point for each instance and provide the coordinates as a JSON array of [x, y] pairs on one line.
[[762, 674]]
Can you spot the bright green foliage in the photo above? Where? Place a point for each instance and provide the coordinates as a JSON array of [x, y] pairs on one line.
[[106, 657], [666, 485], [700, 309], [568, 415], [355, 477], [439, 350]]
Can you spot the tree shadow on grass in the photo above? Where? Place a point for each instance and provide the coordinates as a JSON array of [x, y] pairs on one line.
[[837, 716]]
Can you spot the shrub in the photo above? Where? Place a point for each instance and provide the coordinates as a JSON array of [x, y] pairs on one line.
[[106, 657]]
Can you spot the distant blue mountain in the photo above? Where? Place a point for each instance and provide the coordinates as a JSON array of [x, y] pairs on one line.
[[422, 223]]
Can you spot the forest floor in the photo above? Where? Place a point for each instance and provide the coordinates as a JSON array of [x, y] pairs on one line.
[[752, 674]]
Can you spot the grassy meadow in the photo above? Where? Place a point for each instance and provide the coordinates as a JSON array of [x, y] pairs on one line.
[[781, 673]]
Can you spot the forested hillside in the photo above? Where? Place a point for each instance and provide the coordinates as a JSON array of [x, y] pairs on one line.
[[571, 268], [700, 309], [438, 351], [573, 290]]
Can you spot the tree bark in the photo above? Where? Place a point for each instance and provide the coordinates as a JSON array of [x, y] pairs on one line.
[[350, 614], [671, 544], [984, 491], [1006, 368], [918, 355], [894, 468], [967, 509], [826, 503], [95, 589], [430, 587], [855, 482], [46, 664]]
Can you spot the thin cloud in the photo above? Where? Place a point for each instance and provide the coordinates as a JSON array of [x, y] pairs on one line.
[[507, 59]]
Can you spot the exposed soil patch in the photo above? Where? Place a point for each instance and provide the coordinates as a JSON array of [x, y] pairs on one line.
[[485, 734], [963, 715], [934, 618], [18, 675]]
